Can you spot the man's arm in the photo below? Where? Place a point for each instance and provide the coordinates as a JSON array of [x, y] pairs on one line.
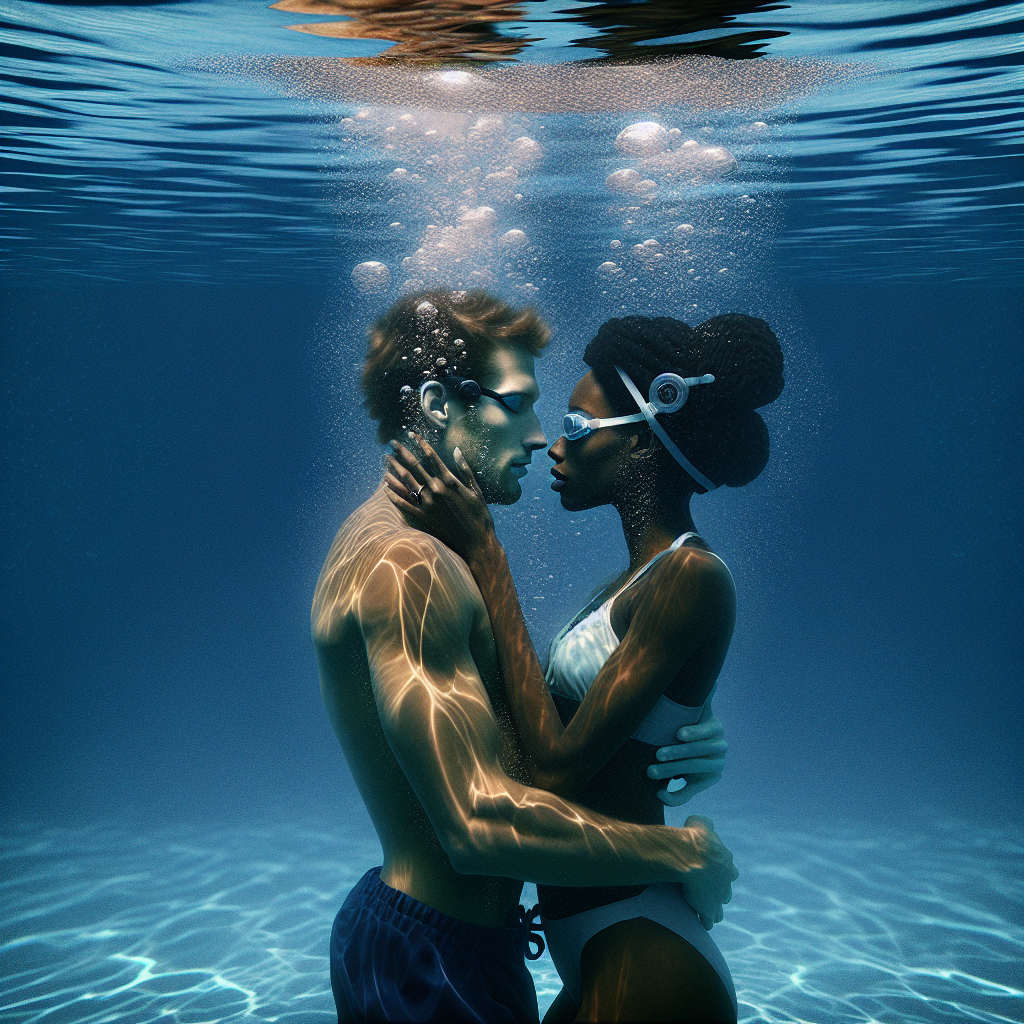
[[417, 611], [457, 514]]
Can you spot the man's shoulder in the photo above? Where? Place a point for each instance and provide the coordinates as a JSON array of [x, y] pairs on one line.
[[374, 558]]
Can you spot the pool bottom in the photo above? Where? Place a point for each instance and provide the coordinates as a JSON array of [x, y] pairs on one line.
[[212, 923]]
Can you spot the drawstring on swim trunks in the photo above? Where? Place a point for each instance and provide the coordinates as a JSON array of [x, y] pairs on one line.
[[530, 927]]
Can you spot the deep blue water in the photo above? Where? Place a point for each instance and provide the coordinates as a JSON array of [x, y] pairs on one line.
[[182, 435]]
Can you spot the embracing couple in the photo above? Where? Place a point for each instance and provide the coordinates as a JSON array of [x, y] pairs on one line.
[[479, 769]]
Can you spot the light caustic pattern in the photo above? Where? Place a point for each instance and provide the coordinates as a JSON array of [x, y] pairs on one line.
[[836, 924], [410, 676]]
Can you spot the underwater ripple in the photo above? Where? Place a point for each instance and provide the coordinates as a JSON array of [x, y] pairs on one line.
[[120, 160], [836, 923]]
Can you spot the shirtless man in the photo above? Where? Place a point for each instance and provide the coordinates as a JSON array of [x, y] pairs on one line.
[[409, 674]]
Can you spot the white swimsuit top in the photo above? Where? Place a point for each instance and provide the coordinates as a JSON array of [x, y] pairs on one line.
[[579, 652]]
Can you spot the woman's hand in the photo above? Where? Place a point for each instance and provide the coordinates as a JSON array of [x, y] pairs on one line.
[[437, 501]]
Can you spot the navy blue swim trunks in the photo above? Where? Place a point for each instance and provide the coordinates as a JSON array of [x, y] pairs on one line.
[[396, 959]]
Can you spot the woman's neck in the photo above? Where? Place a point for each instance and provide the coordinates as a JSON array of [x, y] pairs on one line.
[[650, 528]]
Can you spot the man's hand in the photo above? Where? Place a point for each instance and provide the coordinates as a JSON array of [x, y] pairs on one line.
[[695, 764], [708, 888]]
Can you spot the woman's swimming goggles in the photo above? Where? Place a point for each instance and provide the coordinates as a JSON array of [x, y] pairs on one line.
[[668, 393]]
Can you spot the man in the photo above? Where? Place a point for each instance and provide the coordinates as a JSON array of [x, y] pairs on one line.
[[409, 675]]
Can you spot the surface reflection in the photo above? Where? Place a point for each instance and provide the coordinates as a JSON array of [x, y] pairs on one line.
[[663, 28], [446, 30], [470, 29]]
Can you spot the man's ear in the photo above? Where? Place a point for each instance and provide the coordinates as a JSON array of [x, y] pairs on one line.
[[434, 404]]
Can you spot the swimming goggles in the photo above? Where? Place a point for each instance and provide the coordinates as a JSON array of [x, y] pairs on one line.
[[667, 394], [470, 391]]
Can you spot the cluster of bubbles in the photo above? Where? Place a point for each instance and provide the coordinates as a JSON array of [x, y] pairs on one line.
[[460, 174], [436, 354], [461, 145], [692, 81], [682, 231]]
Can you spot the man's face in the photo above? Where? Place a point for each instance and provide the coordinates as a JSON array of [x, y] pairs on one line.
[[498, 444]]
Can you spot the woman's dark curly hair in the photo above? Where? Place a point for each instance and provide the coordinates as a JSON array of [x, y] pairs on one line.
[[717, 429]]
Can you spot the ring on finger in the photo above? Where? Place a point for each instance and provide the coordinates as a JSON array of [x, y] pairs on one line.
[[415, 495]]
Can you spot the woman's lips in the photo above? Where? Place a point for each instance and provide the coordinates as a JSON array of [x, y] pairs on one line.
[[559, 482]]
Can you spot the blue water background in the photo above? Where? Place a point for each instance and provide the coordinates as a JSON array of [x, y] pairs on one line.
[[183, 435]]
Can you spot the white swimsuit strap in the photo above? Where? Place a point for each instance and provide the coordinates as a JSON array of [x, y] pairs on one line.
[[675, 545], [583, 614]]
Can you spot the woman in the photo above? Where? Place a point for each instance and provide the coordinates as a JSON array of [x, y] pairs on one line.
[[664, 412]]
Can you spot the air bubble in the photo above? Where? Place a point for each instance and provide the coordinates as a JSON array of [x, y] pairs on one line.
[[371, 277], [645, 138], [480, 220], [524, 151], [514, 239], [683, 230], [646, 250], [615, 244], [488, 126], [455, 79], [609, 269], [624, 180], [720, 159]]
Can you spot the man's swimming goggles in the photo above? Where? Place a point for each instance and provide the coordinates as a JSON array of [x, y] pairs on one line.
[[668, 393], [470, 391]]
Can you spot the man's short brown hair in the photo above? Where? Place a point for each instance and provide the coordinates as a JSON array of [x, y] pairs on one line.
[[434, 334]]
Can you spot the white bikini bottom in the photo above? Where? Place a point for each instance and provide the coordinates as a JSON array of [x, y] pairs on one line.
[[663, 904]]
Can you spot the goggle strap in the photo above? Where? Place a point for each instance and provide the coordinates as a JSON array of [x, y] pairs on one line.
[[617, 421], [647, 410]]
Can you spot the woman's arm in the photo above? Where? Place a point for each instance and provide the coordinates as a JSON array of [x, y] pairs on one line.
[[667, 625]]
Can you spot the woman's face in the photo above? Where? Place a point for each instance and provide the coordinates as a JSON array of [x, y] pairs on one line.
[[586, 471]]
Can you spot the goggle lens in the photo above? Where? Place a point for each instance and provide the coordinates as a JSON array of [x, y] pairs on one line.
[[575, 426], [512, 402]]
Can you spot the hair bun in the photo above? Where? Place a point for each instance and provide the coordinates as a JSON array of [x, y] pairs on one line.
[[663, 340], [745, 357]]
